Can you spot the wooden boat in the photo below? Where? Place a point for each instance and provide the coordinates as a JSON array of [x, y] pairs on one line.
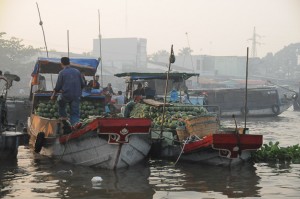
[[221, 148], [110, 143], [264, 101], [200, 139], [10, 138], [225, 148]]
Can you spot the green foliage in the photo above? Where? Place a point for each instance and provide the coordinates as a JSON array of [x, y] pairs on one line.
[[17, 59], [273, 152], [13, 52]]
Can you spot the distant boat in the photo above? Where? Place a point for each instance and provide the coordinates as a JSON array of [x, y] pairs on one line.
[[262, 101]]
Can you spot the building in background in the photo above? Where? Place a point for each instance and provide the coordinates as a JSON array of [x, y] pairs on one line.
[[125, 54], [208, 65]]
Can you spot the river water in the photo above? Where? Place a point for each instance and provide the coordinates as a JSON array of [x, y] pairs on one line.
[[35, 176]]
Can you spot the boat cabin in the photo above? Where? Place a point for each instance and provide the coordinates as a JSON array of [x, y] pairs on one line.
[[154, 84]]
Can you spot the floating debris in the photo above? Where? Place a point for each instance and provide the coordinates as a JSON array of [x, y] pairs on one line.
[[64, 172], [96, 179]]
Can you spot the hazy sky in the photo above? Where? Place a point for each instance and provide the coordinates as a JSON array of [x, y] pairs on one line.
[[215, 27]]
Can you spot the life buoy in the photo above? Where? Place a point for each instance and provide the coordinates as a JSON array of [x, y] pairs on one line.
[[275, 109], [243, 110], [39, 142]]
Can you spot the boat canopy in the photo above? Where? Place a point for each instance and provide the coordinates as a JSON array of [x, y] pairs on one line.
[[52, 65], [175, 76]]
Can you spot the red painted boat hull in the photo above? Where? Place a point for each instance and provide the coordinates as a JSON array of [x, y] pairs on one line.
[[229, 144]]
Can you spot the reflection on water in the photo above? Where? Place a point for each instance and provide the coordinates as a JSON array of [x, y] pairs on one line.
[[239, 181], [35, 176], [279, 180]]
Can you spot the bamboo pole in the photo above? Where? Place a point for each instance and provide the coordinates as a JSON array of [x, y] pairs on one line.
[[68, 43], [171, 60], [246, 93], [100, 50]]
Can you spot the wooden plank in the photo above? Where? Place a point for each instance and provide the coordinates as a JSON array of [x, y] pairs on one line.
[[155, 103]]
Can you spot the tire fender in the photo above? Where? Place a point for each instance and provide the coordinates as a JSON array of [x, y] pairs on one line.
[[275, 109], [39, 142]]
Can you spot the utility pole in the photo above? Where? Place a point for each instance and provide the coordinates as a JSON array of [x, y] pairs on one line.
[[254, 43], [188, 41]]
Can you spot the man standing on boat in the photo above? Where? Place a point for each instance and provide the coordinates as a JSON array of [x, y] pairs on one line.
[[70, 83], [138, 93]]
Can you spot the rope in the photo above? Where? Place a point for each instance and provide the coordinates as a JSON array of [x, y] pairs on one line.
[[65, 147], [181, 151]]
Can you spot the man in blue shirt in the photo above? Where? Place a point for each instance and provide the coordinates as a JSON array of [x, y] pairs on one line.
[[70, 83]]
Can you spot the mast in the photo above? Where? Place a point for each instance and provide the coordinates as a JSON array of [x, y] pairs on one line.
[[100, 50], [68, 43], [41, 24], [246, 93], [171, 60]]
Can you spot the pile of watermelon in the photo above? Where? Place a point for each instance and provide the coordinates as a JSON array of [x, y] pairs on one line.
[[49, 109], [175, 116]]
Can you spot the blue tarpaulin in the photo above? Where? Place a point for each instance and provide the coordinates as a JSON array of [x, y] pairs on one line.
[[52, 65]]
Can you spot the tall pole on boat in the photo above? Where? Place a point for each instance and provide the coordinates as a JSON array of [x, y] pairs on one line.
[[68, 43], [100, 53], [246, 93], [171, 60], [41, 24]]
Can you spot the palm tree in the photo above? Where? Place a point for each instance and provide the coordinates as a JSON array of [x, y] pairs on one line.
[[159, 54], [185, 51]]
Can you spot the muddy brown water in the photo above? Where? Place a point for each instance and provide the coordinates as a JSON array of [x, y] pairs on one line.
[[35, 176]]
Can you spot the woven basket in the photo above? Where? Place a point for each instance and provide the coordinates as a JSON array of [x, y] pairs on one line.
[[182, 133], [200, 119], [202, 126]]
